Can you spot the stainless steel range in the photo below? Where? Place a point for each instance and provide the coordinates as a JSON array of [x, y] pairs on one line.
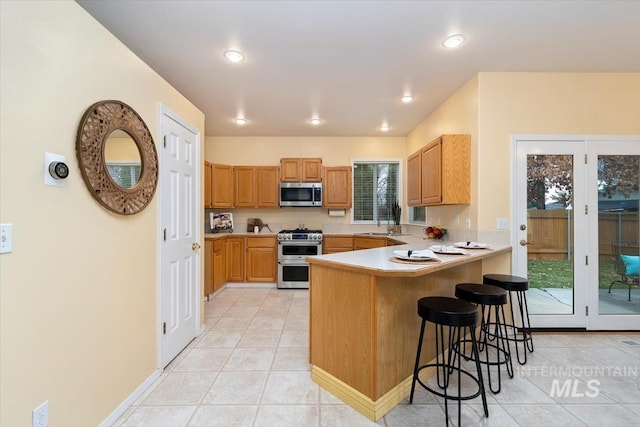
[[293, 247]]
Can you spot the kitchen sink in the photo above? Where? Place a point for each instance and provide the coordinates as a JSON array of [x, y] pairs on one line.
[[373, 234]]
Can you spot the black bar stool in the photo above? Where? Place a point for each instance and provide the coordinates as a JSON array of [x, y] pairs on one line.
[[490, 298], [521, 327], [457, 315]]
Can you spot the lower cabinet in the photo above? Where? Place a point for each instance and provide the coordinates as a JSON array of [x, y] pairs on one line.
[[219, 274], [334, 244], [361, 242], [261, 259], [234, 254], [208, 266]]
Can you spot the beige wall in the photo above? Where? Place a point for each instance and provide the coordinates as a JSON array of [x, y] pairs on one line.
[[544, 103], [78, 295], [458, 114], [265, 151]]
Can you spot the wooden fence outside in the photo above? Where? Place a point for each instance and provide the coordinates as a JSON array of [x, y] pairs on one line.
[[549, 238]]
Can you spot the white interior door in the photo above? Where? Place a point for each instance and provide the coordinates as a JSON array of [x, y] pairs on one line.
[[550, 233], [180, 265]]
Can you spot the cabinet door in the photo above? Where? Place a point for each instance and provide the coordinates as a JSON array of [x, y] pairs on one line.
[[219, 271], [208, 171], [221, 186], [312, 170], [334, 244], [208, 267], [234, 254], [261, 265], [290, 170], [431, 173], [337, 187], [245, 191], [414, 178], [456, 169], [267, 183]]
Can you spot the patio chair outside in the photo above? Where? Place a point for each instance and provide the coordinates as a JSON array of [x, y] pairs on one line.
[[628, 272]]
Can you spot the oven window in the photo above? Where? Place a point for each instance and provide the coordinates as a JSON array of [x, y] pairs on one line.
[[295, 273], [300, 250]]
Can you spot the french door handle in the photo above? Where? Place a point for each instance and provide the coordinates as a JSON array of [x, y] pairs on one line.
[[524, 243], [195, 246]]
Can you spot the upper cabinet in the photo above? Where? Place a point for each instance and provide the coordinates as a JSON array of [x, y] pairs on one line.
[[337, 187], [208, 191], [221, 185], [440, 172], [301, 170], [256, 186]]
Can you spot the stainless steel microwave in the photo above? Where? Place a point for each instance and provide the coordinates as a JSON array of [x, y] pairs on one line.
[[301, 194]]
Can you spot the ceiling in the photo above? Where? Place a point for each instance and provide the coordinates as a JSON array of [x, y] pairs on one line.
[[349, 62]]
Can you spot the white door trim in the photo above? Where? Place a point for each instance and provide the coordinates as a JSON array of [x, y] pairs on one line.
[[164, 111]]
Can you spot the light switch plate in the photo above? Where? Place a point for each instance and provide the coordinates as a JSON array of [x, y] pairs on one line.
[[6, 238], [502, 223]]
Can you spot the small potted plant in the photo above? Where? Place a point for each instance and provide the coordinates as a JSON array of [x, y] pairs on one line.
[[396, 213]]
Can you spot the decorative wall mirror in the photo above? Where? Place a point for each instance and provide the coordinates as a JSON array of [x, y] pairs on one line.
[[117, 157]]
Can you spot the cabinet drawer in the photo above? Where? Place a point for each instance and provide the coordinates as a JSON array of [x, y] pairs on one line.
[[261, 242]]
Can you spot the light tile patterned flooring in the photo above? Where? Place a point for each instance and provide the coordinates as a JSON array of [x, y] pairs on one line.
[[250, 368]]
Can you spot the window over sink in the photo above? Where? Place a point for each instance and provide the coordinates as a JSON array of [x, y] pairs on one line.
[[376, 187]]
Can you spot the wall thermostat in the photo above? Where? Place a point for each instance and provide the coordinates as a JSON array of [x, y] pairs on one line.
[[55, 170], [58, 170]]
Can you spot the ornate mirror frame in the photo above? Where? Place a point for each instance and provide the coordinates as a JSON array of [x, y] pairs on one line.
[[96, 125]]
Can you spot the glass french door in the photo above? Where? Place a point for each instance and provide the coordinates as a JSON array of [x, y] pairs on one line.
[[575, 200]]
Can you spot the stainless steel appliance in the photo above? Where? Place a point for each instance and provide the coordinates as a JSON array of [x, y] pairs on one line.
[[301, 194], [293, 247]]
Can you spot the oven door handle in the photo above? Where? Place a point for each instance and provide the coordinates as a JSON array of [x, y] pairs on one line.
[[292, 262], [300, 242]]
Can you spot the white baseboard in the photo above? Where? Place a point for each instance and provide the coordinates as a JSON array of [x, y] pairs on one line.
[[115, 415]]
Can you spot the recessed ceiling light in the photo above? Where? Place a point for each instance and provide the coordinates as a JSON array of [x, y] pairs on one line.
[[233, 55], [453, 40], [240, 121], [407, 99], [315, 121], [385, 127]]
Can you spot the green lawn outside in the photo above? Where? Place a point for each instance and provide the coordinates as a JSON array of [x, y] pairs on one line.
[[559, 274]]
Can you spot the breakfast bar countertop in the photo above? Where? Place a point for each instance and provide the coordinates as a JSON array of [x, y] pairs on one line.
[[378, 261]]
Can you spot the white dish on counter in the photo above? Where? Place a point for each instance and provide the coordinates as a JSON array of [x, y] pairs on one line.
[[448, 250], [417, 255], [471, 245]]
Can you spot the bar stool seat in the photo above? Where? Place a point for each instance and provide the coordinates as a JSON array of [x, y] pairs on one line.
[[457, 315], [520, 327], [490, 299]]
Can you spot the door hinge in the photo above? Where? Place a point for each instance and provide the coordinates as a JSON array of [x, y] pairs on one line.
[[164, 328], [585, 159], [586, 209], [586, 260], [164, 140], [586, 310], [164, 234]]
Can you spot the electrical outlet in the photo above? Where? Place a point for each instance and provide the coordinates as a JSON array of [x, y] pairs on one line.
[[457, 220], [468, 223], [502, 223], [6, 238], [40, 415]]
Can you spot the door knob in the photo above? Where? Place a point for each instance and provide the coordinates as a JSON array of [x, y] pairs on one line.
[[524, 243], [195, 246]]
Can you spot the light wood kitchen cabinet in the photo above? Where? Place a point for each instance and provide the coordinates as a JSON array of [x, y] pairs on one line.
[[301, 170], [208, 189], [445, 172], [208, 267], [268, 188], [337, 187], [335, 244], [234, 257], [368, 242], [414, 180], [221, 182], [244, 186], [261, 259], [219, 270]]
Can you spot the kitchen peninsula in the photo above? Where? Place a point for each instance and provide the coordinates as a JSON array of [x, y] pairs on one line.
[[363, 319]]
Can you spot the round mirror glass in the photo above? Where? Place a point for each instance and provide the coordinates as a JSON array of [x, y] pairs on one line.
[[122, 159]]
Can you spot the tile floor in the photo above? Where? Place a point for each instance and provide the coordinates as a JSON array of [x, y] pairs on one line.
[[249, 368]]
